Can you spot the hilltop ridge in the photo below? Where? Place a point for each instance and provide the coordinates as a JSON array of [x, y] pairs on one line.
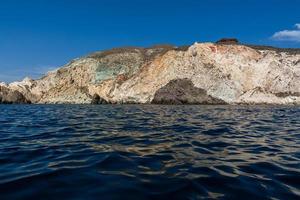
[[203, 73]]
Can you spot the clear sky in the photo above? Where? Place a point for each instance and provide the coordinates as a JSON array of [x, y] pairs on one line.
[[40, 35]]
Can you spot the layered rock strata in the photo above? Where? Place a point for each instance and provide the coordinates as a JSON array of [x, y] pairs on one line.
[[204, 73]]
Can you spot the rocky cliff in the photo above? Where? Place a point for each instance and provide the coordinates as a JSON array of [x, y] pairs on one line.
[[9, 96], [204, 73]]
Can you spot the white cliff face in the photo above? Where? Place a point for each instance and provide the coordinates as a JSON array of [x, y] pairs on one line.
[[232, 73], [235, 74], [68, 84]]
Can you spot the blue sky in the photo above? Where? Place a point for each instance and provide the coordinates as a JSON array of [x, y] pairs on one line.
[[40, 35]]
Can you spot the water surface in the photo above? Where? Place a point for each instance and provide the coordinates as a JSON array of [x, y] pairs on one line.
[[149, 152]]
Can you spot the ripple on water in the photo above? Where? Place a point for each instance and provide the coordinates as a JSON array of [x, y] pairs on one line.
[[149, 152]]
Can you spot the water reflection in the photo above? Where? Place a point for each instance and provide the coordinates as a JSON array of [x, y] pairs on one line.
[[146, 151]]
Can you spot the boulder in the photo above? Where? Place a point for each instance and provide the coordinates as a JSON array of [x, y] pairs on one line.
[[183, 91], [96, 99]]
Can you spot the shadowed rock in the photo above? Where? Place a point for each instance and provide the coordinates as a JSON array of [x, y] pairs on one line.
[[291, 51], [286, 94], [96, 99], [228, 41], [183, 91], [8, 96]]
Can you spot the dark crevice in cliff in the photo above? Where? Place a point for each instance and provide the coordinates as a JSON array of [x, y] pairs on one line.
[[287, 94]]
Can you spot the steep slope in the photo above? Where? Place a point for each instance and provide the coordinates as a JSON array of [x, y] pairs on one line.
[[202, 73]]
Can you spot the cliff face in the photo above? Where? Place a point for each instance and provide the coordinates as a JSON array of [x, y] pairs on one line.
[[202, 73], [9, 96]]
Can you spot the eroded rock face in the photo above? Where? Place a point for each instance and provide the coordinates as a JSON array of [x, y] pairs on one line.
[[8, 96], [201, 73], [183, 91]]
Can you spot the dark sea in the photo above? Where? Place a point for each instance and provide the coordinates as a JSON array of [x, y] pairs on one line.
[[149, 152]]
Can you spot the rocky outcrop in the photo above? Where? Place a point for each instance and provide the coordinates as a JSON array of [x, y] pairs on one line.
[[96, 99], [227, 41], [204, 73], [9, 96], [183, 91]]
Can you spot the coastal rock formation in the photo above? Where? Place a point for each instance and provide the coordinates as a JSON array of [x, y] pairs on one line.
[[183, 91], [9, 96], [204, 73], [98, 100]]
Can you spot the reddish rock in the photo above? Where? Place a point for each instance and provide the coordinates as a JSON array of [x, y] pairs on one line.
[[213, 49], [228, 41]]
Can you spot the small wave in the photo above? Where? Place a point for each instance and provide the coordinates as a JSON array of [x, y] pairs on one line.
[[149, 152]]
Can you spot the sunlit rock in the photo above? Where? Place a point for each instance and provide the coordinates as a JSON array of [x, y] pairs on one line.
[[212, 73]]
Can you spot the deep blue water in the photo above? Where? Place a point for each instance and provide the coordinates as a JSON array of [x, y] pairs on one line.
[[149, 152]]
